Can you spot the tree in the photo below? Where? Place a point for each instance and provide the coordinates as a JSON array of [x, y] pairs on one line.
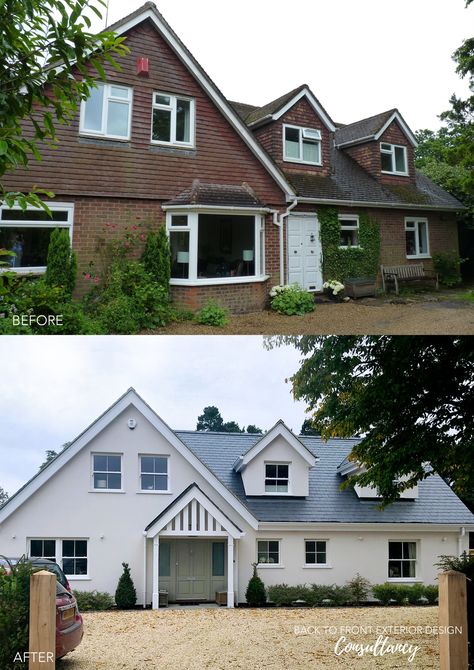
[[50, 456], [125, 595], [231, 427], [210, 420], [307, 428], [156, 257], [255, 594], [411, 399], [45, 44], [253, 430], [3, 496], [61, 265]]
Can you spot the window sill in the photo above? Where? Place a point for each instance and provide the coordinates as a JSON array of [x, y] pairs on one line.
[[25, 271], [78, 578], [395, 174], [421, 257], [155, 493], [270, 566], [297, 162], [106, 491], [170, 145], [316, 566], [353, 246], [219, 281], [404, 580], [106, 140]]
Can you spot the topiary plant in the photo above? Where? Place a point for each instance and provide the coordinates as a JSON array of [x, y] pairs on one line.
[[125, 595], [255, 594], [61, 262]]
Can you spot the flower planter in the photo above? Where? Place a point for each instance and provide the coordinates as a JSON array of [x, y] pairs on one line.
[[359, 287]]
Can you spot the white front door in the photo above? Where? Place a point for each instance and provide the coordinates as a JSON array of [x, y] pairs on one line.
[[304, 252]]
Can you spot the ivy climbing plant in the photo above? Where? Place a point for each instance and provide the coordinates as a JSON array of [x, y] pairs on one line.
[[341, 263]]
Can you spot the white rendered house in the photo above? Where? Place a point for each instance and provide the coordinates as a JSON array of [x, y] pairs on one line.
[[191, 511]]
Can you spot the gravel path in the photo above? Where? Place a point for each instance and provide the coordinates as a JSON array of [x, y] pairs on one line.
[[355, 318], [207, 639]]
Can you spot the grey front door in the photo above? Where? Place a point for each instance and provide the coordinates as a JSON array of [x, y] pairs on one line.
[[193, 570]]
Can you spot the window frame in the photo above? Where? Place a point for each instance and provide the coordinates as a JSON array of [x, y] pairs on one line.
[[302, 129], [316, 566], [50, 223], [276, 463], [172, 108], [416, 220], [140, 473], [349, 217], [100, 490], [391, 153], [268, 540], [402, 560], [193, 228], [59, 553], [102, 133]]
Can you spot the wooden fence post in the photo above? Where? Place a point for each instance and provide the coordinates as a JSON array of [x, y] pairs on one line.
[[42, 621], [453, 613]]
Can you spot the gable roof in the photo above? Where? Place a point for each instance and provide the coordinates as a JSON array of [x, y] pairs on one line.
[[148, 11], [371, 129], [275, 109], [216, 195]]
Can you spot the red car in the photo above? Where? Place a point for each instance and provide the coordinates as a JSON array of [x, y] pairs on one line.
[[69, 626]]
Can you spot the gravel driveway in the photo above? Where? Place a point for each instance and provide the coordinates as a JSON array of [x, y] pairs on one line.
[[219, 639]]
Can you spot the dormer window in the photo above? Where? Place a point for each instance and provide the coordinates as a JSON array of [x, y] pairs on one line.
[[173, 120], [393, 159], [302, 145], [276, 477]]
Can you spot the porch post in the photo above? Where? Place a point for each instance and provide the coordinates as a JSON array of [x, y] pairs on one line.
[[230, 571], [156, 563], [144, 569]]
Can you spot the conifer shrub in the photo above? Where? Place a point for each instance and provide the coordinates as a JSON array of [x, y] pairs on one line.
[[61, 262], [125, 595], [255, 594], [156, 257]]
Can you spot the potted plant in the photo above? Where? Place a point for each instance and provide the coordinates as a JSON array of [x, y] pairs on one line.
[[334, 290]]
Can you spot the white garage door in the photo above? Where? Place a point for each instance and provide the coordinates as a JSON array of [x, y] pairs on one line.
[[304, 252]]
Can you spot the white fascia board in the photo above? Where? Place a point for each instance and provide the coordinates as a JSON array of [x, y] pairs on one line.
[[396, 117], [359, 140], [381, 205], [218, 99], [217, 208], [349, 468], [195, 494], [130, 397], [306, 93], [279, 429], [355, 527]]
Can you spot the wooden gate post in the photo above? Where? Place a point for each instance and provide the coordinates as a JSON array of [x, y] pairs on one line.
[[42, 621], [453, 613]]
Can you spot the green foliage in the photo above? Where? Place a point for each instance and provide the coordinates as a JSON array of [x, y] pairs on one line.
[[312, 594], [253, 430], [14, 614], [125, 595], [61, 262], [156, 257], [291, 300], [463, 563], [395, 393], [339, 264], [307, 428], [399, 594], [255, 594], [448, 265], [212, 314], [93, 601], [211, 420], [3, 496], [359, 589], [431, 593], [50, 456], [37, 35], [414, 593]]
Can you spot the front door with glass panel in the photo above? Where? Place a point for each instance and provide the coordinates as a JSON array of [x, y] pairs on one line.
[[304, 252], [193, 570]]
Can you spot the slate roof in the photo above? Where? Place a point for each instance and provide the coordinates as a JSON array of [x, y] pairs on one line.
[[326, 503], [363, 128], [217, 194]]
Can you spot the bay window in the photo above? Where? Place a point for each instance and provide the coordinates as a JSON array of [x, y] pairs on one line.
[[107, 112], [215, 247], [417, 238]]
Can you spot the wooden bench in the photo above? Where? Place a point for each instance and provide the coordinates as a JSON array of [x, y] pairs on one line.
[[406, 273]]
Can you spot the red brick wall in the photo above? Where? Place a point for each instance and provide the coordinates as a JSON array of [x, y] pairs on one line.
[[237, 298], [301, 114]]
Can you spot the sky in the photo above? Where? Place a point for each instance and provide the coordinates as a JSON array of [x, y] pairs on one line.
[[54, 387], [359, 58]]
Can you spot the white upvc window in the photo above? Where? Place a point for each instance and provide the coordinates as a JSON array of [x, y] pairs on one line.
[[71, 554], [277, 477], [349, 230], [106, 472], [268, 552], [173, 120], [402, 560], [27, 234], [417, 237], [213, 247], [302, 145], [315, 553], [154, 473], [393, 159], [107, 112]]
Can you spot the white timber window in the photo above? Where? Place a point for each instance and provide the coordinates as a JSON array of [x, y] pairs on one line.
[[349, 231], [393, 159], [106, 472], [302, 145], [154, 475], [70, 554], [402, 560], [417, 238], [107, 112], [315, 553], [268, 552], [277, 477], [173, 120]]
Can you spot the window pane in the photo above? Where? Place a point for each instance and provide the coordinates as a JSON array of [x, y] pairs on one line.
[[422, 237], [321, 546], [183, 121], [100, 481], [161, 464], [410, 242], [93, 109], [81, 547], [30, 246], [117, 119], [292, 143], [148, 482], [179, 247], [226, 246], [349, 238], [49, 548], [282, 488], [310, 546], [68, 566], [161, 482], [100, 463], [36, 548], [283, 471], [408, 569], [400, 165], [161, 125], [119, 92], [165, 559], [394, 569], [271, 470], [409, 550], [218, 559], [68, 547], [113, 463], [395, 550], [311, 152], [386, 162], [80, 566], [310, 558], [147, 463], [162, 100], [273, 546], [179, 220], [33, 215], [114, 481], [270, 487]]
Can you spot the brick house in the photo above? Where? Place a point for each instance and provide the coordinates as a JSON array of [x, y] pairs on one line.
[[244, 191]]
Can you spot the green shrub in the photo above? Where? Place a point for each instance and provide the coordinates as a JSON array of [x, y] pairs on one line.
[[358, 588], [156, 257], [387, 593], [283, 595], [430, 592], [312, 594], [61, 262], [14, 614], [255, 594], [414, 593], [93, 601], [448, 265], [463, 563], [291, 300], [125, 595], [212, 314]]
